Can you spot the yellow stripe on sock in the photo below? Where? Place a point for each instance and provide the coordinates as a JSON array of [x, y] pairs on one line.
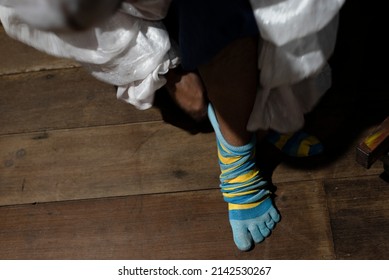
[[232, 206], [234, 188], [312, 140], [244, 177], [228, 160], [282, 141], [224, 148], [232, 195], [241, 185], [303, 149], [231, 169], [305, 146]]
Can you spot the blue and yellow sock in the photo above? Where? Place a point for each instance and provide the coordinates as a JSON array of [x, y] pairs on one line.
[[297, 144], [251, 211]]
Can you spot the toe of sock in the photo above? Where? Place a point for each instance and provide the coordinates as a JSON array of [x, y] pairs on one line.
[[242, 237], [264, 230], [243, 244], [246, 232], [275, 216], [256, 234]]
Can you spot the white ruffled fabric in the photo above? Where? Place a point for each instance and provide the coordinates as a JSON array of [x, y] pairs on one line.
[[298, 36], [125, 50], [131, 49]]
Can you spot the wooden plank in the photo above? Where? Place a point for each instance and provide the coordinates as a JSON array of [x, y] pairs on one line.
[[104, 162], [189, 225], [126, 160], [304, 224], [62, 99], [359, 213], [17, 57]]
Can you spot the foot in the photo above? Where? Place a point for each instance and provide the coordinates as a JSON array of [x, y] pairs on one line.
[[252, 224], [251, 211], [188, 92], [298, 144]]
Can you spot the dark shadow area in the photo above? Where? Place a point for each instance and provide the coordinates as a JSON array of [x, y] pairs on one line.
[[359, 215], [385, 177], [358, 98], [175, 116]]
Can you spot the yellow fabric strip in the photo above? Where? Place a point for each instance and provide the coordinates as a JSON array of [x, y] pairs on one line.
[[232, 206], [228, 160], [240, 186], [303, 149], [224, 148], [244, 177], [231, 195], [282, 141], [312, 140], [306, 144]]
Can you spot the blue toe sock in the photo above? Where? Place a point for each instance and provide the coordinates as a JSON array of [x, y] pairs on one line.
[[251, 211]]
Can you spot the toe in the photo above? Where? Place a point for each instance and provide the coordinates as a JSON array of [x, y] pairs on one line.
[[270, 224], [242, 236], [264, 230], [243, 241], [274, 215], [256, 234]]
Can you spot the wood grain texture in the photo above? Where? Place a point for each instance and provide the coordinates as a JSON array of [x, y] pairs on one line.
[[62, 99], [359, 213], [83, 176], [16, 57], [107, 161], [190, 225], [104, 162]]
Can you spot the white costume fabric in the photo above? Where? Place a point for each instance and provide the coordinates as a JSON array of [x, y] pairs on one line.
[[298, 36], [128, 49], [131, 49]]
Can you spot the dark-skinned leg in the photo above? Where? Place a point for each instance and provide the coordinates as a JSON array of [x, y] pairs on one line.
[[231, 80]]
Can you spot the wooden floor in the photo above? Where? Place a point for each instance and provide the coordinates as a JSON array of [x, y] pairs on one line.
[[84, 176]]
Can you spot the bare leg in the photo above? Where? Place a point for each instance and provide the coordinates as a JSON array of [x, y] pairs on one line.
[[231, 82]]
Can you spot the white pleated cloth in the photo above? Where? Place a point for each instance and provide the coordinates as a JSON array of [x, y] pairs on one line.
[[128, 49], [131, 49], [298, 36]]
